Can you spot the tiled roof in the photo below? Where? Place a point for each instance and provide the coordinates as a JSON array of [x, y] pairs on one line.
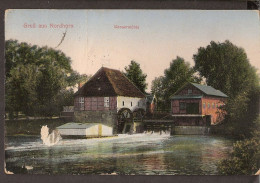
[[109, 82]]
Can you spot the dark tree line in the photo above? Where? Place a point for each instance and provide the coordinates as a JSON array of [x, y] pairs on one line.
[[39, 80]]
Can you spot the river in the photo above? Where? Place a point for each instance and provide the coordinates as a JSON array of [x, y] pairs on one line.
[[139, 154]]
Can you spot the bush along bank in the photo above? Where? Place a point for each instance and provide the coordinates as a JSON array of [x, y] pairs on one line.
[[30, 127]]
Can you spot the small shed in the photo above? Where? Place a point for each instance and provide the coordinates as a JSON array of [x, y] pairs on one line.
[[85, 130]]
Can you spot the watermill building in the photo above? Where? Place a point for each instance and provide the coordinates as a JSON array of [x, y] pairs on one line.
[[109, 98], [197, 105]]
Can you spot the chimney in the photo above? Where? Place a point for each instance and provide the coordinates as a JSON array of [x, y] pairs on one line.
[[80, 84]]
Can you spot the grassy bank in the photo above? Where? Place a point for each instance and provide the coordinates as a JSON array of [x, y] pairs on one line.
[[30, 127]]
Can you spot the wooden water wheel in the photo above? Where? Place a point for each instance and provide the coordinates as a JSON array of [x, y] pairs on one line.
[[124, 115]]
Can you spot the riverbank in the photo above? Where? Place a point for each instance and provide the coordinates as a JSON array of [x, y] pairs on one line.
[[30, 126]]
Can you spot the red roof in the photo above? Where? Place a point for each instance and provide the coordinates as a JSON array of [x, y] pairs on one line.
[[109, 82]]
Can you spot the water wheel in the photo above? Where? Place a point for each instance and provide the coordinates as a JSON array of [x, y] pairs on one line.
[[124, 115], [139, 114]]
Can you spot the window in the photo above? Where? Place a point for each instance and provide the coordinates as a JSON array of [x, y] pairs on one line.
[[182, 105], [189, 91], [106, 101], [131, 104], [216, 105], [204, 105], [81, 103], [208, 105], [138, 104], [123, 103], [213, 105]]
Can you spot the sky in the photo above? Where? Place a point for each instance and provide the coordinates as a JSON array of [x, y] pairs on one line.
[[92, 41]]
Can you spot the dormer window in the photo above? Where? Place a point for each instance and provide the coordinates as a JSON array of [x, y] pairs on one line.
[[189, 91]]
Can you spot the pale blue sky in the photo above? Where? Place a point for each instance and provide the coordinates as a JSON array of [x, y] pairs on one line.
[[162, 35]]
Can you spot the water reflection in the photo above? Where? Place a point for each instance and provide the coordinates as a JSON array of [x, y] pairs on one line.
[[128, 154]]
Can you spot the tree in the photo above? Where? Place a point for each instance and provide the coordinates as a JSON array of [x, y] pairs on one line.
[[21, 89], [51, 82], [174, 77], [35, 78], [158, 89], [226, 67], [135, 74]]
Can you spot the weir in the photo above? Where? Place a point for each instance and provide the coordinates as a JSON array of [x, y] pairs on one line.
[[168, 125], [190, 130]]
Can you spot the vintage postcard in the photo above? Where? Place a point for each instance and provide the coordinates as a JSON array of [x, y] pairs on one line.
[[132, 92]]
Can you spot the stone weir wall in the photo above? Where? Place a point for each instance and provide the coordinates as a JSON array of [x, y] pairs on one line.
[[108, 118], [176, 129], [190, 130]]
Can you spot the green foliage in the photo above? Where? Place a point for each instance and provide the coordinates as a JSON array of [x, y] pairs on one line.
[[135, 74], [23, 53], [21, 92], [158, 89], [226, 67], [245, 157], [36, 77], [75, 78], [174, 77]]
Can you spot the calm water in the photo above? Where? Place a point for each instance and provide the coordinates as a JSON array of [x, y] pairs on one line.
[[126, 154]]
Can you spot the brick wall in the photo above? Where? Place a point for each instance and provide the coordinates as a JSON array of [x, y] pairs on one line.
[[210, 106]]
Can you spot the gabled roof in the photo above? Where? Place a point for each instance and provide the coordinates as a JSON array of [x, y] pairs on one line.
[[207, 90], [186, 96], [109, 82]]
